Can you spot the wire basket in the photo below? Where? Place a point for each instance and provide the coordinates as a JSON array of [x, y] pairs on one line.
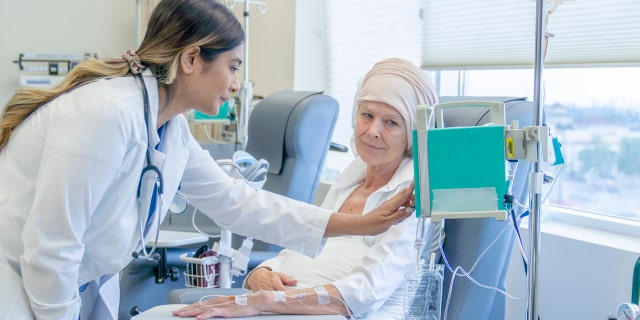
[[201, 272]]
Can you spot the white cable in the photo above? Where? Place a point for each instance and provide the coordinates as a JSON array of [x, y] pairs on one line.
[[524, 207], [546, 197], [464, 273], [479, 257], [193, 223], [515, 232], [230, 163], [205, 127], [468, 274]]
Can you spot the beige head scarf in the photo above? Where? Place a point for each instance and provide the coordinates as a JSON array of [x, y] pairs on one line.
[[400, 84]]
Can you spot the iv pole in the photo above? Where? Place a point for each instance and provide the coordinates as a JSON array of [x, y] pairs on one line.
[[535, 178], [226, 252], [246, 88]]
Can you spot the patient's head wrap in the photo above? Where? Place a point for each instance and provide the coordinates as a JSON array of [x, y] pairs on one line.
[[400, 84]]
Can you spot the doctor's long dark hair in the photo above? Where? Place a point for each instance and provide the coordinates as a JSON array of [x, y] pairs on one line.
[[174, 25]]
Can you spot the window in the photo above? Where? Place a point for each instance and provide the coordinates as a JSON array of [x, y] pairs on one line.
[[359, 34], [595, 114], [501, 33], [590, 80]]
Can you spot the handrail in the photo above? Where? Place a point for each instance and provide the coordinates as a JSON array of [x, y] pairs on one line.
[[635, 286]]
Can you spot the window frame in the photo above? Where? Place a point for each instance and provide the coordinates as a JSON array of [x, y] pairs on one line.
[[556, 213], [573, 216], [591, 220]]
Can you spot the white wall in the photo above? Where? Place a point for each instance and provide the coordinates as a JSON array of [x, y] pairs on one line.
[[286, 49], [271, 45], [583, 274], [286, 45], [310, 52], [105, 27]]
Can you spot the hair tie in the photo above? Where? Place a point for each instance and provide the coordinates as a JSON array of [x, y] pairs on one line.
[[135, 64]]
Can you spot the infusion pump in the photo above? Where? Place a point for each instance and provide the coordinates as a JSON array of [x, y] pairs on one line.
[[47, 70]]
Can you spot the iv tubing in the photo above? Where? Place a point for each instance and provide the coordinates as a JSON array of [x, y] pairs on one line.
[[460, 271], [420, 235]]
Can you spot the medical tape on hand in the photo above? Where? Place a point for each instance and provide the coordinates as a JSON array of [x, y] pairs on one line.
[[241, 300], [323, 295], [279, 296]]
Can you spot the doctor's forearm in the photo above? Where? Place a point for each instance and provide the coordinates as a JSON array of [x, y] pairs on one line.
[[375, 222], [341, 224]]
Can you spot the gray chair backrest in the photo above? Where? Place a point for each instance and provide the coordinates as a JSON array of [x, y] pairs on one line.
[[292, 130], [467, 239]]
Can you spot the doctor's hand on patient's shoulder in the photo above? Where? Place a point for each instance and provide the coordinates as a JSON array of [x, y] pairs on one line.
[[379, 220], [265, 279]]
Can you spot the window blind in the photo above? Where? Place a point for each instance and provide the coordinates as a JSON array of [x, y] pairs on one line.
[[461, 34]]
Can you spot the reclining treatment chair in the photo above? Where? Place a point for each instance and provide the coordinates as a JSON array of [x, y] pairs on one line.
[[467, 239], [291, 130]]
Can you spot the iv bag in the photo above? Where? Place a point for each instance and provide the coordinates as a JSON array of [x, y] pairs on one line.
[[423, 291]]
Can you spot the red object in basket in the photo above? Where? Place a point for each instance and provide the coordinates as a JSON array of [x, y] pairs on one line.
[[213, 269]]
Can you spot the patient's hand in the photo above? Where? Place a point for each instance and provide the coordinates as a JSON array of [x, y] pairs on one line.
[[265, 279], [296, 301], [223, 306]]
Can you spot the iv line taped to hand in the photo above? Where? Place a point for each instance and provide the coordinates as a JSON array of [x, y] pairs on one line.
[[323, 297]]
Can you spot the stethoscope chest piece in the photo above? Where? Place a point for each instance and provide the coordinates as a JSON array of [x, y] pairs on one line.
[[179, 204]]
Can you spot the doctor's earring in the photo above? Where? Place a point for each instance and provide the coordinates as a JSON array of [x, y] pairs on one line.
[[179, 204]]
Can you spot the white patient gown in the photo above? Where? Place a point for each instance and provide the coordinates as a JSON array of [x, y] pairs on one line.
[[367, 270]]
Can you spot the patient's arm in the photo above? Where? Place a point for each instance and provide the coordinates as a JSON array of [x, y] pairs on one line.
[[294, 301], [263, 278]]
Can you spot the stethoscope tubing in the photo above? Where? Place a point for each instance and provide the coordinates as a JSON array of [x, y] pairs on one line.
[[160, 183]]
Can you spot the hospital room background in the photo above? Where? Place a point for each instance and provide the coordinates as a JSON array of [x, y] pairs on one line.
[[590, 229]]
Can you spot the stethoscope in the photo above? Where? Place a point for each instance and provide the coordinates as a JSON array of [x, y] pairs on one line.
[[178, 205], [149, 169]]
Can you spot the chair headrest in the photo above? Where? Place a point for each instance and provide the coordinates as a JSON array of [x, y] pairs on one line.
[[271, 116], [516, 108]]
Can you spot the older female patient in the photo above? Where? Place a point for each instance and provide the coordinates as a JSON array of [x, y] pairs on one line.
[[358, 276]]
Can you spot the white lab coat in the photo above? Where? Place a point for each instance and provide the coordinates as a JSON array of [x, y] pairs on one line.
[[68, 213], [368, 271]]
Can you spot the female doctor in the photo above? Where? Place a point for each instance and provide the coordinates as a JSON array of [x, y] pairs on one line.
[[84, 169]]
